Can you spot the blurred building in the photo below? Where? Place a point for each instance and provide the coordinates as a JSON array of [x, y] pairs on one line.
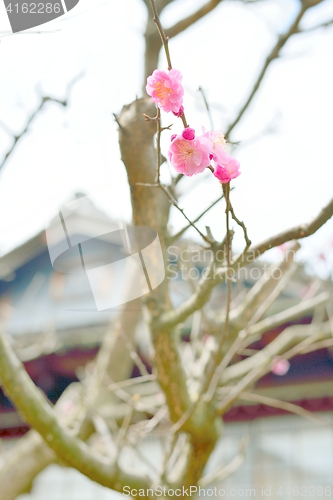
[[55, 328]]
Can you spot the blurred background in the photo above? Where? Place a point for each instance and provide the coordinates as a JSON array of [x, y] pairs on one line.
[[80, 70]]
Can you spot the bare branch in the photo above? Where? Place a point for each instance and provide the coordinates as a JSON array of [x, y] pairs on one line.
[[201, 90], [31, 455], [124, 430], [243, 335], [283, 405], [217, 355], [215, 276], [33, 115], [161, 4], [274, 54], [223, 472], [165, 43], [242, 225], [324, 344], [182, 231], [193, 18], [290, 337], [181, 210], [139, 156], [270, 299], [164, 38], [133, 354], [290, 314], [261, 290], [39, 414], [45, 99], [132, 382], [157, 183], [254, 374], [195, 302], [297, 232], [317, 27]]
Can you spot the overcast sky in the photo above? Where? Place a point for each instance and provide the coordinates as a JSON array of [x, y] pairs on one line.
[[287, 174]]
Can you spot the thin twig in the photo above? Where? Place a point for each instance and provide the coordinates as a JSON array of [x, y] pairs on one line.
[[324, 344], [123, 431], [224, 363], [180, 233], [165, 42], [182, 25], [210, 281], [201, 90], [153, 422], [209, 385], [283, 405], [168, 454], [223, 472], [44, 100], [181, 210], [274, 54], [163, 36], [296, 335], [132, 381], [133, 354], [161, 186], [247, 381], [216, 358], [327, 24], [158, 146], [242, 225]]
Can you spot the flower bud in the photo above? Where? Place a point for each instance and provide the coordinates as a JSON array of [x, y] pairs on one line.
[[188, 134], [180, 112]]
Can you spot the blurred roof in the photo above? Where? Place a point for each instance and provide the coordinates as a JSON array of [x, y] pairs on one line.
[[39, 304]]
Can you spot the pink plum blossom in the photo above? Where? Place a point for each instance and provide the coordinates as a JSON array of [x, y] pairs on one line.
[[227, 168], [219, 145], [190, 156], [166, 90]]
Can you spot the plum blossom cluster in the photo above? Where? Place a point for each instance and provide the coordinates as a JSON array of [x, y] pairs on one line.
[[190, 154]]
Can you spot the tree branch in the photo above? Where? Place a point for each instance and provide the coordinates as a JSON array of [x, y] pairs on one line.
[[39, 414], [290, 314], [297, 232], [193, 18], [221, 473], [139, 156], [180, 233], [274, 54], [266, 285], [23, 463], [45, 99], [290, 337], [215, 276], [317, 27], [283, 405]]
